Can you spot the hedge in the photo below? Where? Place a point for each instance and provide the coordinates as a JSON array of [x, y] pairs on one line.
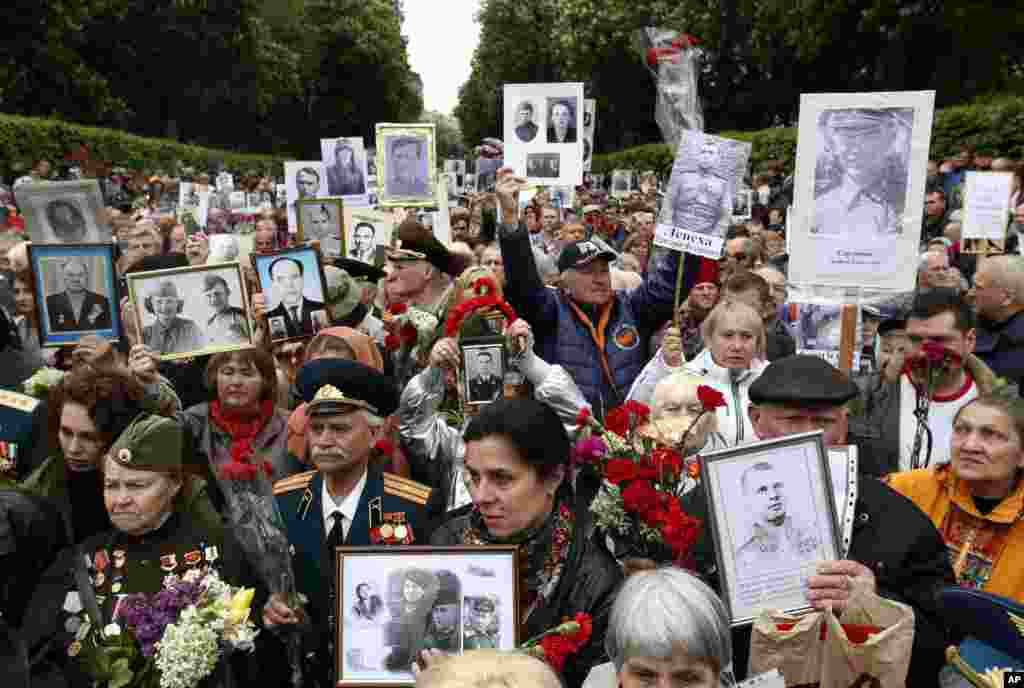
[[26, 139], [995, 127]]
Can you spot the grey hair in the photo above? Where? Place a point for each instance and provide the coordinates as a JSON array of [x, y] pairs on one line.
[[665, 611], [922, 263]]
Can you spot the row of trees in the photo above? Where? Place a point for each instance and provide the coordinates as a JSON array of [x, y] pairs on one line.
[[252, 75], [758, 56]]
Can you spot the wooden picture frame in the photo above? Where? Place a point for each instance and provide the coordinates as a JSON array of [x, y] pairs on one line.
[[376, 641], [330, 232]]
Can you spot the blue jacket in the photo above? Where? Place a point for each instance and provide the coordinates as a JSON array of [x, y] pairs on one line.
[[564, 339], [1001, 347], [300, 500]]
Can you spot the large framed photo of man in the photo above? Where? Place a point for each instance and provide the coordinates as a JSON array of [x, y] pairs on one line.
[[345, 163], [483, 374], [303, 180], [192, 311], [406, 160], [293, 285], [323, 220], [393, 603], [773, 518], [75, 292], [543, 128], [859, 188], [63, 212]]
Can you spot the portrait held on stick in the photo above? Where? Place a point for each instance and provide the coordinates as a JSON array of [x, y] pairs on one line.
[[544, 132], [75, 292], [772, 515], [191, 311], [293, 284], [396, 603]]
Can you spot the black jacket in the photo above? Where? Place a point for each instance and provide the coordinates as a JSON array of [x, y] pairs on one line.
[[95, 313], [588, 584], [298, 329], [898, 542]]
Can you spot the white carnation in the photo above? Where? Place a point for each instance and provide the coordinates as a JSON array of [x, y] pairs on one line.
[[187, 653], [111, 630]]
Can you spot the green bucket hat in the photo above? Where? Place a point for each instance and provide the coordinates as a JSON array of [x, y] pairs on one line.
[[150, 443]]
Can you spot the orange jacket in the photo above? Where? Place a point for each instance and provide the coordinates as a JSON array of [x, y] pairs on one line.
[[986, 549]]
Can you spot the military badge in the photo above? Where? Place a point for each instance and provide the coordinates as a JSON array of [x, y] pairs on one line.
[[211, 554], [72, 602], [168, 562], [100, 579], [193, 558], [392, 531]]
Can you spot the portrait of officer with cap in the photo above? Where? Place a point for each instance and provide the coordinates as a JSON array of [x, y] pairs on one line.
[[860, 179], [227, 324], [346, 500], [169, 333], [482, 624], [894, 550], [443, 626]]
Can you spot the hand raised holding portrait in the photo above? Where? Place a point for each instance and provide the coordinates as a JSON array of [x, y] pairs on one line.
[[835, 583], [507, 190], [519, 337]]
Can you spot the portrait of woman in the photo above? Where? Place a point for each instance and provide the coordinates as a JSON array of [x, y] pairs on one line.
[[368, 605]]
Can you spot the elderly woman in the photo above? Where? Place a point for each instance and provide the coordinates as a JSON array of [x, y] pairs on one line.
[[436, 449], [483, 668], [977, 498], [516, 463], [241, 412], [88, 409], [152, 536], [667, 628]]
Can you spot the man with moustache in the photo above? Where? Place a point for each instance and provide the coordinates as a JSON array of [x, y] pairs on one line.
[[346, 501]]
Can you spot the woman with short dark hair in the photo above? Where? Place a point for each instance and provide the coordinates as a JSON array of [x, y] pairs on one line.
[[516, 462]]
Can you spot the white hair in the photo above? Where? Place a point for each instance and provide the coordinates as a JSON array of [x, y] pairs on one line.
[[75, 261]]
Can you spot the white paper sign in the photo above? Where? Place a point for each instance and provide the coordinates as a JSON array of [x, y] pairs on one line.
[[859, 189], [544, 132], [698, 206], [986, 205]]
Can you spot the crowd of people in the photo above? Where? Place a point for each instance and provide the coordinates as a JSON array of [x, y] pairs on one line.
[[117, 479]]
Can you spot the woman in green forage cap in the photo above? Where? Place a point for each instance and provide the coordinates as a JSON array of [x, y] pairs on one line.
[[152, 537]]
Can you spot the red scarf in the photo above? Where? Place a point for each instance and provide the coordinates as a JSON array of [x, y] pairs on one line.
[[242, 430]]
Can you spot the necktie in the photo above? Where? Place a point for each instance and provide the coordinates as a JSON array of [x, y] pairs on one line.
[[336, 538], [295, 314]]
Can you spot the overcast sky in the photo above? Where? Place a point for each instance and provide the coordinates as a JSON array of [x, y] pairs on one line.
[[442, 36]]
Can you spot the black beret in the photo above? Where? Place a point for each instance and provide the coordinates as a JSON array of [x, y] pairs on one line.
[[802, 380], [359, 270], [354, 384]]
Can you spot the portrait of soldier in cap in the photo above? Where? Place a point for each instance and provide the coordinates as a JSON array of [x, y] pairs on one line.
[[861, 173], [700, 197], [482, 624], [227, 324], [443, 626], [170, 333], [774, 536]]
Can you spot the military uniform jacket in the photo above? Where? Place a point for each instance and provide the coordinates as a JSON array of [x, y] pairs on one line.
[[300, 501], [118, 565]]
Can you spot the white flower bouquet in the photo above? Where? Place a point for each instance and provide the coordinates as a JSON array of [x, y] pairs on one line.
[[42, 381]]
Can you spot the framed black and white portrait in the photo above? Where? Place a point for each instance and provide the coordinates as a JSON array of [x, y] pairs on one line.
[[63, 212], [622, 183], [773, 519], [742, 205], [292, 282], [75, 292], [393, 603], [192, 311], [544, 165], [366, 230], [303, 180], [859, 188], [345, 163], [406, 156], [546, 119], [237, 201], [483, 369], [323, 220]]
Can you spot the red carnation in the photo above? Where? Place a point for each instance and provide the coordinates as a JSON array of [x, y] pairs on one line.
[[397, 308], [583, 417], [556, 650], [618, 471], [409, 335], [586, 624], [384, 446], [709, 397], [641, 411], [268, 469], [667, 462], [693, 468], [392, 342], [640, 497], [617, 421]]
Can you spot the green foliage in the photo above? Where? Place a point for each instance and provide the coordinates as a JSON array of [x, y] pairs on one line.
[[25, 139], [995, 126], [448, 136]]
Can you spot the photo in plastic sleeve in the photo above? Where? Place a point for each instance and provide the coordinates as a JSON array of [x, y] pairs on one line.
[[772, 514], [394, 605], [302, 180], [192, 311], [345, 163], [859, 188], [406, 155], [323, 220], [75, 292], [543, 132], [293, 285], [63, 212]]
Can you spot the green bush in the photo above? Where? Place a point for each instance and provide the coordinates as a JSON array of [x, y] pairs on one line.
[[26, 139], [995, 127]]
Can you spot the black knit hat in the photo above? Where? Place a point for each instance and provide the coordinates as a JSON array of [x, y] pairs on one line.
[[802, 381]]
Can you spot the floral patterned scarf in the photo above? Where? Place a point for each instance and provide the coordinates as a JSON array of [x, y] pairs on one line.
[[543, 551]]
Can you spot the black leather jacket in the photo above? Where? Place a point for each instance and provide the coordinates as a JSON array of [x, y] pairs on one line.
[[587, 584]]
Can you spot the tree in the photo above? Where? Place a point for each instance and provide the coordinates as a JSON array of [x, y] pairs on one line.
[[448, 136]]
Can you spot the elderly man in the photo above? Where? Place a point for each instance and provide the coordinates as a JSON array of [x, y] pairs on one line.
[[419, 269], [999, 301], [935, 272], [598, 335], [347, 500], [228, 324], [76, 308], [938, 320], [170, 333], [739, 257], [894, 548], [294, 310]]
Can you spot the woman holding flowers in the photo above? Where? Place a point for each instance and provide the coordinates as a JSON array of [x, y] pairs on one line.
[[101, 608], [516, 464]]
